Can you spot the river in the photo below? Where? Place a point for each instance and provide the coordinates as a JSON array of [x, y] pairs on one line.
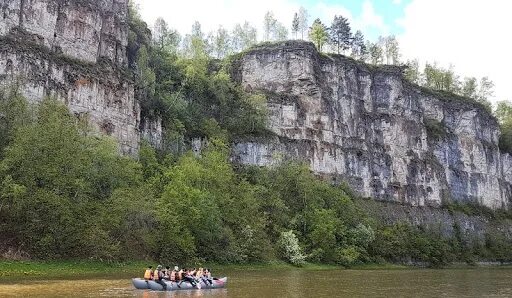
[[480, 282]]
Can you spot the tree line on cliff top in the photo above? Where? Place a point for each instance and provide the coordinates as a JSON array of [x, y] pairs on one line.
[[340, 38]]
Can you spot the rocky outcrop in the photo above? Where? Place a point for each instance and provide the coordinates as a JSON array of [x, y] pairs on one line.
[[87, 30], [74, 50], [366, 125]]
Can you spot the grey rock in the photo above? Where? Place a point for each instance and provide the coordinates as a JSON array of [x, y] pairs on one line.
[[367, 125]]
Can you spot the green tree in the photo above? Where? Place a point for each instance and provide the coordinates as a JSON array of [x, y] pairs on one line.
[[14, 113], [469, 87], [244, 37], [504, 114], [412, 72], [391, 49], [295, 25], [303, 21], [274, 30], [269, 25], [375, 53], [56, 179], [222, 43], [318, 34], [165, 38], [340, 33], [359, 50]]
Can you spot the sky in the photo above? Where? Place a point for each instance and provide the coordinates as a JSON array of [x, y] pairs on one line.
[[471, 35]]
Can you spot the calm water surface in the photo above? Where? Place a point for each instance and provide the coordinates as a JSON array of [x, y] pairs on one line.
[[494, 282]]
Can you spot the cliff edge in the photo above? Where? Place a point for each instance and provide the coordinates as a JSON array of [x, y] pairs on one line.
[[389, 139], [74, 50]]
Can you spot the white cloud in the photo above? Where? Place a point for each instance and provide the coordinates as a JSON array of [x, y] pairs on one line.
[[397, 2], [470, 34]]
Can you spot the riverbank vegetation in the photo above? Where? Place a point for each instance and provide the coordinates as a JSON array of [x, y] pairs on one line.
[[66, 193]]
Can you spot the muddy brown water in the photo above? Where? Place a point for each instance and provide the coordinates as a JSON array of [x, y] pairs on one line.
[[480, 282]]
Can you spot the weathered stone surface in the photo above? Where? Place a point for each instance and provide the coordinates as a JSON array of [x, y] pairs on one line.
[[368, 126], [83, 29], [74, 50], [151, 132], [100, 94]]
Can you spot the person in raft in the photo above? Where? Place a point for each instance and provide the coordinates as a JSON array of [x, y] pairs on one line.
[[148, 274], [158, 277], [188, 277], [173, 276]]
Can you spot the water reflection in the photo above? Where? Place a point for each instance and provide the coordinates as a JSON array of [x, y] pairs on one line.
[[294, 283]]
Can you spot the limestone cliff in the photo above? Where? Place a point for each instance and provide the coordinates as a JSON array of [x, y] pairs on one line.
[[74, 50], [387, 138]]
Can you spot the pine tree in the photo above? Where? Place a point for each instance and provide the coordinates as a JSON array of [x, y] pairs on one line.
[[340, 33], [359, 49]]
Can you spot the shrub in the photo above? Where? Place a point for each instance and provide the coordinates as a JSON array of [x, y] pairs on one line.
[[290, 248]]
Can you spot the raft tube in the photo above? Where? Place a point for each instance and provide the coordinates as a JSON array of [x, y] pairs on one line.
[[140, 283], [173, 286]]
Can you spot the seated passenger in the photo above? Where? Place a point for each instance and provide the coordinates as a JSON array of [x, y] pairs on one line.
[[188, 277], [208, 275], [166, 272], [148, 274], [174, 274], [158, 277], [199, 273]]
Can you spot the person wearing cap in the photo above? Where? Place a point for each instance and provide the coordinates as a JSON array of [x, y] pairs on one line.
[[158, 277]]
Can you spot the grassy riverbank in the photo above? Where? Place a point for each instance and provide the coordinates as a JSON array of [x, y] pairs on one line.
[[82, 269], [89, 269], [68, 269]]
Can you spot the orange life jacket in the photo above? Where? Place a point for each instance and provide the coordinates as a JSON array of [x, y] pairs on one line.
[[156, 275], [180, 275], [147, 274]]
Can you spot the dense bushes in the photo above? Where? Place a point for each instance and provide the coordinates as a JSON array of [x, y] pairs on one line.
[[58, 183]]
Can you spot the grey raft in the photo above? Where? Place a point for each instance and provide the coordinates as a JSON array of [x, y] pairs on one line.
[[143, 284]]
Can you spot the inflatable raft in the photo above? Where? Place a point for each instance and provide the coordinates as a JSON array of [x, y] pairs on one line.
[[142, 284]]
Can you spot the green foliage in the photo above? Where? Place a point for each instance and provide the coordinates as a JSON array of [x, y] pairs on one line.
[[290, 248], [435, 130], [318, 33], [56, 180], [340, 34], [13, 114], [405, 243], [504, 114]]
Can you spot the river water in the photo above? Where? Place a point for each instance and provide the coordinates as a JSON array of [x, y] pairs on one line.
[[481, 282]]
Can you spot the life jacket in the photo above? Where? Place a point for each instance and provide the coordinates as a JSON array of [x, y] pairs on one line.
[[199, 274], [173, 275], [180, 275], [156, 275], [147, 274]]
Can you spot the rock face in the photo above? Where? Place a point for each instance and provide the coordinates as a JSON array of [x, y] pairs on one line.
[[74, 50], [388, 139]]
